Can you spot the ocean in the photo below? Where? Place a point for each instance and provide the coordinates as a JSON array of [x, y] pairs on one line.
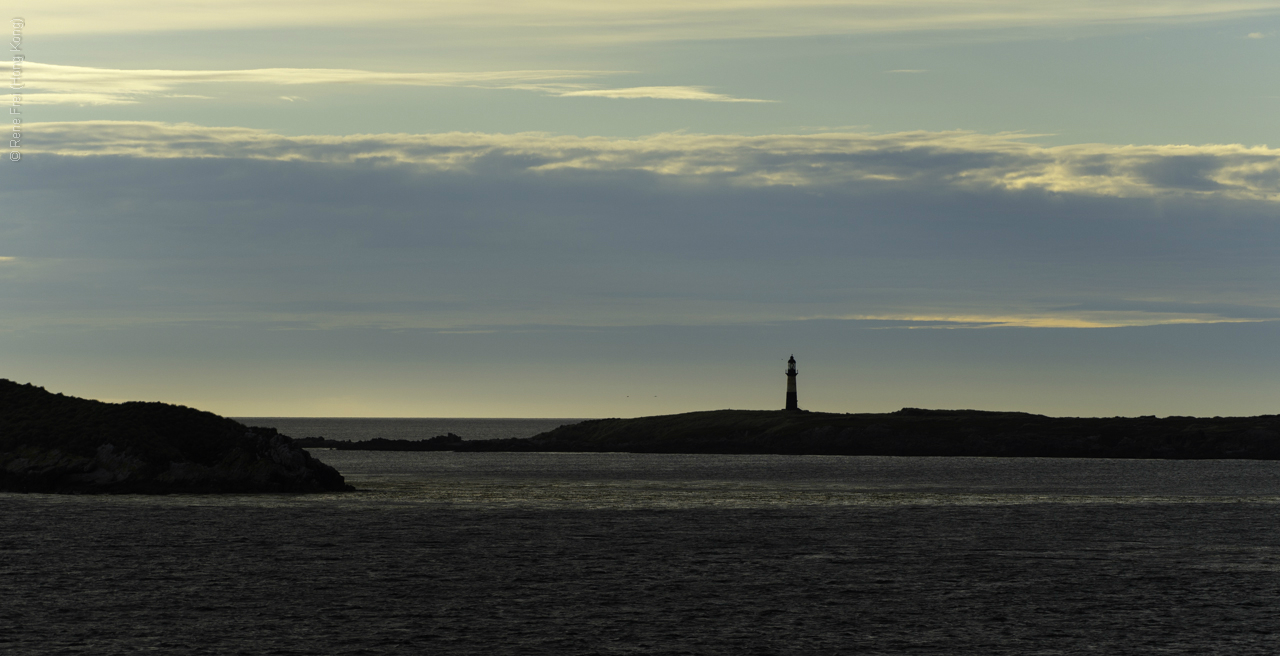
[[572, 553]]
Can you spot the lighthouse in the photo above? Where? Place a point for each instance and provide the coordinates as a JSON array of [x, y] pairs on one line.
[[792, 403]]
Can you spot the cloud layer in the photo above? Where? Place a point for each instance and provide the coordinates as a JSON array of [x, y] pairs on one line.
[[481, 271], [587, 20], [959, 160]]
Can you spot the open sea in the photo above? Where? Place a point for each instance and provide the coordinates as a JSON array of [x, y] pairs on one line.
[[570, 553]]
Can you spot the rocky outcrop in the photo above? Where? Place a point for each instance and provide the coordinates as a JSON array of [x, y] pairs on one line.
[[448, 442], [54, 443], [913, 432]]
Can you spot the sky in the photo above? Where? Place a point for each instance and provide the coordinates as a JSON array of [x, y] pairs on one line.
[[562, 208]]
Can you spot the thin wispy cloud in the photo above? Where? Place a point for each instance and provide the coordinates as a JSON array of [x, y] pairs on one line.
[[661, 93], [1042, 319], [60, 84], [922, 159], [82, 85], [635, 20]]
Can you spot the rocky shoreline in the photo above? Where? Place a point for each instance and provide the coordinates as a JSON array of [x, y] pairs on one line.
[[907, 432], [916, 432], [55, 443]]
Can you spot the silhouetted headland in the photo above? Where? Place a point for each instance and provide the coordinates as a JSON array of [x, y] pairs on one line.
[[448, 442], [55, 443], [907, 432]]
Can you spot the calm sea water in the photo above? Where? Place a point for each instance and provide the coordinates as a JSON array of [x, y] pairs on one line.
[[343, 428], [478, 553]]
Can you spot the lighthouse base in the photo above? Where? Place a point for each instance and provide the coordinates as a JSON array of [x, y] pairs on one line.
[[793, 404]]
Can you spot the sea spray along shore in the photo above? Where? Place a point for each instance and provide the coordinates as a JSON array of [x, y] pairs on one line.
[[907, 432], [55, 443]]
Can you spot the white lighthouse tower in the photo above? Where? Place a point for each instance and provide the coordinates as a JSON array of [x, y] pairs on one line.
[[793, 403]]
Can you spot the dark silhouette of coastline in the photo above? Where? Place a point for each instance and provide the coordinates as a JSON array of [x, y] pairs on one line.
[[448, 442], [55, 443], [907, 432]]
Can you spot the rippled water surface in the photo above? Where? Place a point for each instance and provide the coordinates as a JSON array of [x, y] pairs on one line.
[[654, 554]]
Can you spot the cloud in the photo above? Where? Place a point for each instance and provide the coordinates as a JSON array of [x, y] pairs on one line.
[[957, 159], [1157, 308], [82, 85], [663, 93], [1255, 35], [75, 99], [629, 20], [120, 224], [1067, 318]]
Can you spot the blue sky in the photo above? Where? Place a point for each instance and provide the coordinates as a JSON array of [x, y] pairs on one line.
[[621, 209]]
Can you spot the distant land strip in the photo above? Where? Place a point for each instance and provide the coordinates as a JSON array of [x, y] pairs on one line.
[[907, 432]]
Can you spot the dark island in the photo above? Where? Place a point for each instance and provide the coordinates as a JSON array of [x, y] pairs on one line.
[[55, 443], [907, 432], [448, 442]]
